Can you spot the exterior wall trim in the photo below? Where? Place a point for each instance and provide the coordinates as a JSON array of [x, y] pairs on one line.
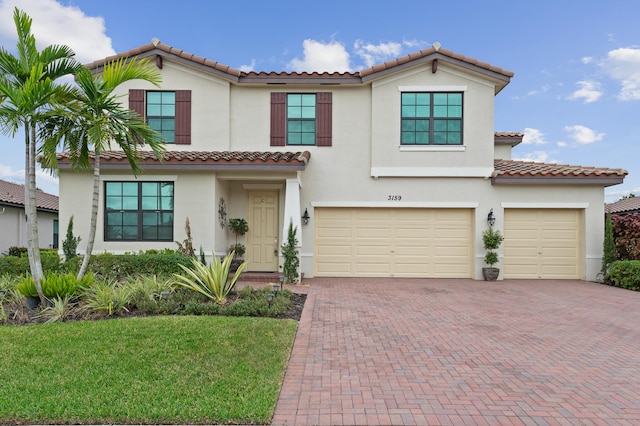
[[433, 88], [544, 205], [483, 172], [413, 205]]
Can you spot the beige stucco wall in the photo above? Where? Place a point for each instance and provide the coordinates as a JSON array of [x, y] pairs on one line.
[[14, 228]]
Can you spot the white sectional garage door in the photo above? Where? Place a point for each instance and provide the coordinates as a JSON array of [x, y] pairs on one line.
[[542, 243], [388, 242]]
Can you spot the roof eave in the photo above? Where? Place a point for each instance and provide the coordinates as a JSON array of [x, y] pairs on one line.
[[557, 180], [203, 165]]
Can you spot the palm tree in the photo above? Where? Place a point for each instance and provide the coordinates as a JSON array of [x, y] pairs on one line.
[[28, 94], [95, 120]]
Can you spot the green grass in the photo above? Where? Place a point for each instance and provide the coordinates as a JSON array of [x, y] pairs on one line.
[[165, 369]]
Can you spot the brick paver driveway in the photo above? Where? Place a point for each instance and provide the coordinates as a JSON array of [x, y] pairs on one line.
[[408, 351]]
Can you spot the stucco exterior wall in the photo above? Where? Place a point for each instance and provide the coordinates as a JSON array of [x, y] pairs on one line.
[[14, 228]]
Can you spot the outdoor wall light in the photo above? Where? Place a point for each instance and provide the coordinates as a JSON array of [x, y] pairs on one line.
[[306, 217], [491, 218]]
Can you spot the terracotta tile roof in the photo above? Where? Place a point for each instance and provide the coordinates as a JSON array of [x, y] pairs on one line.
[[13, 194], [508, 138], [434, 52], [509, 135], [510, 171], [627, 205], [215, 159]]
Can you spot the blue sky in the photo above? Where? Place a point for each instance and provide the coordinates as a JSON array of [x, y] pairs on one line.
[[575, 94]]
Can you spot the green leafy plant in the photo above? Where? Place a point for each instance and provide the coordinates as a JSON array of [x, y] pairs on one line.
[[149, 288], [212, 281], [27, 287], [70, 243], [107, 297], [61, 285], [609, 245], [625, 274], [59, 309], [239, 227], [290, 255], [491, 239]]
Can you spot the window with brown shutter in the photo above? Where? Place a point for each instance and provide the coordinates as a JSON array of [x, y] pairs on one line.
[[280, 120], [181, 134]]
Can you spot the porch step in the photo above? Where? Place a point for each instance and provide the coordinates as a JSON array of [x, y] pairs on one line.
[[265, 277]]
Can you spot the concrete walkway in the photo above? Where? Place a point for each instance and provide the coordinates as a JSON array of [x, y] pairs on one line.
[[439, 352]]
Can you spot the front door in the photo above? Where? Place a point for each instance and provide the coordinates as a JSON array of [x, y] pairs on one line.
[[262, 238]]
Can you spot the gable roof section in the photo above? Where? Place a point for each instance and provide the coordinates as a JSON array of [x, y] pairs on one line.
[[508, 138], [527, 172], [158, 50], [12, 194], [628, 205], [203, 160]]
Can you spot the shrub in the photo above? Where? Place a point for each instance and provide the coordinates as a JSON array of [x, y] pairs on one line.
[[290, 255], [212, 281], [17, 266], [626, 233], [491, 240], [123, 266], [70, 243], [27, 287], [625, 274], [107, 297], [61, 285]]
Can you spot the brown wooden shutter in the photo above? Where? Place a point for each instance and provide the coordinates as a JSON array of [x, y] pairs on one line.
[[278, 118], [183, 117], [323, 118], [136, 101]]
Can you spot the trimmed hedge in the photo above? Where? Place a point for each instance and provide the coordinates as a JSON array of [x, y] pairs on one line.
[[625, 274], [112, 266]]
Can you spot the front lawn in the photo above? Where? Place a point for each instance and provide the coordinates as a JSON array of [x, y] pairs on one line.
[[150, 370]]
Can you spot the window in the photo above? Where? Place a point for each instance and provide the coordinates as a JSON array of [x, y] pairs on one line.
[[161, 114], [431, 118], [56, 234], [166, 112], [138, 211], [301, 119]]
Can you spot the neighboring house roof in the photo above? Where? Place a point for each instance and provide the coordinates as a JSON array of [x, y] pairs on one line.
[[431, 55], [526, 172], [628, 205], [209, 160], [508, 138], [12, 194]]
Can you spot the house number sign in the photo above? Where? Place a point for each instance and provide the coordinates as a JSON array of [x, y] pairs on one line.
[[394, 198]]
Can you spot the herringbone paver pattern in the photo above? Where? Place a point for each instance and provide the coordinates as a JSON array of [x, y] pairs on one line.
[[463, 352]]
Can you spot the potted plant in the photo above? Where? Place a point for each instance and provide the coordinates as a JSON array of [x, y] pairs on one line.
[[239, 227], [491, 239]]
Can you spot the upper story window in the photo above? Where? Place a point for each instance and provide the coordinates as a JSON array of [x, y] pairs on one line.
[[431, 118], [167, 112], [161, 114], [138, 211], [301, 119]]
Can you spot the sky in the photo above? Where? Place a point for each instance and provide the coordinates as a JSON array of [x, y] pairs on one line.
[[575, 94]]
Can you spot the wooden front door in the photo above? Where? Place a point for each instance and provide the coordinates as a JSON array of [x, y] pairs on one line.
[[262, 238]]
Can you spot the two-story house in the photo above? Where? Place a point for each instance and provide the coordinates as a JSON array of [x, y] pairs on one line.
[[390, 171]]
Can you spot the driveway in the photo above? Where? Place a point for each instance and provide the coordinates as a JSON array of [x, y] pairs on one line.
[[437, 352]]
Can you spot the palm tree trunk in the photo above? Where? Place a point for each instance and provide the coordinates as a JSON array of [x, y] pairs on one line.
[[31, 209], [94, 215]]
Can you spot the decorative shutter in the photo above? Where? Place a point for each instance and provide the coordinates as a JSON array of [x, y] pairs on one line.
[[136, 101], [278, 118], [183, 117], [323, 118]]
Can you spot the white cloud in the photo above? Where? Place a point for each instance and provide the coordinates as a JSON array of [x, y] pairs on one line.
[[586, 60], [562, 144], [545, 88], [321, 57], [589, 91], [54, 23], [533, 137], [536, 156], [250, 67], [44, 180], [583, 135], [373, 54], [623, 65]]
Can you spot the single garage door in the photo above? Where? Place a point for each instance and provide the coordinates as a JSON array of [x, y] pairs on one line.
[[388, 242], [542, 243]]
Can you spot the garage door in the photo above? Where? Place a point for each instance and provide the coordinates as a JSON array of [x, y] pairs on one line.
[[542, 243], [385, 242]]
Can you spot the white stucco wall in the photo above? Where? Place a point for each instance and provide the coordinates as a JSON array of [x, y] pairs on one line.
[[14, 228]]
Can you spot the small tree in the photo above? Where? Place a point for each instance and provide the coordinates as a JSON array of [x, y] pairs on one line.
[[70, 243], [239, 227], [290, 254], [491, 239], [609, 246], [186, 247]]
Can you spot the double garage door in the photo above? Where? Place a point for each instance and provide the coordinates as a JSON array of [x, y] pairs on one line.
[[387, 242], [434, 243]]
